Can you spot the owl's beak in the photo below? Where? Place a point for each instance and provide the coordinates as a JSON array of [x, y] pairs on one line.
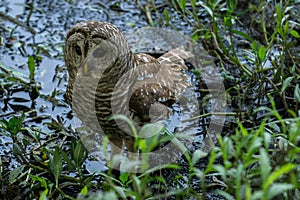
[[85, 69]]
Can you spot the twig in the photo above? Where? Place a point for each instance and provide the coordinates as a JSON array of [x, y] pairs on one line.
[[17, 22], [210, 114], [148, 13]]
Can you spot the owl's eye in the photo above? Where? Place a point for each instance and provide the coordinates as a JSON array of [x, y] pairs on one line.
[[78, 50], [99, 52]]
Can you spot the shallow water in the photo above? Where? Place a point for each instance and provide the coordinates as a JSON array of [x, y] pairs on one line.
[[51, 20]]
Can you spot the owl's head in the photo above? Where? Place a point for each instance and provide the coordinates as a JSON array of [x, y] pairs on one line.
[[98, 43]]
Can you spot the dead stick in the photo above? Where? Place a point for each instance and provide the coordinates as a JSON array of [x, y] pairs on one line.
[[17, 22]]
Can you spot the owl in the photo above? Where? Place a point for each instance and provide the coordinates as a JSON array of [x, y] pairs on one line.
[[107, 79]]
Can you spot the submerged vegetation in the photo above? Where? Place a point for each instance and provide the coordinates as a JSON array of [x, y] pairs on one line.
[[256, 49]]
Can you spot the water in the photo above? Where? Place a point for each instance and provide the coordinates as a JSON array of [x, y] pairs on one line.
[[51, 20]]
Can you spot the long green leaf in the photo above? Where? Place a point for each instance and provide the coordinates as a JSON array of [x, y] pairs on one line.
[[127, 120], [286, 83], [262, 53], [295, 34], [265, 166], [15, 173], [297, 93], [278, 188], [182, 4], [243, 34], [279, 172], [41, 180], [78, 153], [31, 67], [56, 164], [18, 75], [198, 154]]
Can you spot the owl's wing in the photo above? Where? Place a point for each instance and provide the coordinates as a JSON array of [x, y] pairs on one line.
[[159, 82]]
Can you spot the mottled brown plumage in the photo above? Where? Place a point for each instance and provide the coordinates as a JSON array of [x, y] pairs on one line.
[[105, 78]]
